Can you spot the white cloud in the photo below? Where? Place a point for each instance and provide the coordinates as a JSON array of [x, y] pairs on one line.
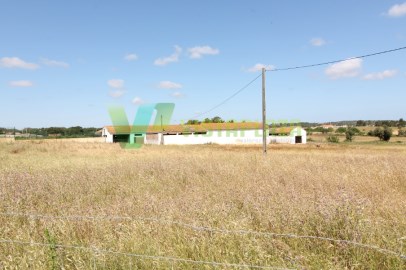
[[170, 59], [344, 69], [169, 85], [199, 51], [131, 57], [21, 83], [116, 83], [397, 10], [118, 87], [380, 75], [318, 42], [177, 94], [15, 62], [138, 101], [116, 93], [54, 63], [259, 67]]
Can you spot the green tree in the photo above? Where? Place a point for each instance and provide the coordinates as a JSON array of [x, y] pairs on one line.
[[309, 130], [90, 132], [74, 131], [333, 139], [401, 123], [387, 134], [56, 130], [320, 129], [217, 119], [193, 122], [377, 132], [355, 130], [341, 130], [349, 134], [207, 120], [361, 123], [384, 134]]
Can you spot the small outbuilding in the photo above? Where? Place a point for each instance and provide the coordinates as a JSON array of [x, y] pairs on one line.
[[288, 135]]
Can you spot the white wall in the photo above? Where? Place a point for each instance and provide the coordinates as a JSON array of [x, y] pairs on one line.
[[282, 139], [217, 137], [106, 134], [299, 132], [290, 139]]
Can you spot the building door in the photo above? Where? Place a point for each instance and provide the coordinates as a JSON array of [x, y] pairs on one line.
[[298, 139]]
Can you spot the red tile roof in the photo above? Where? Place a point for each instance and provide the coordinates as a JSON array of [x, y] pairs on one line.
[[203, 127], [232, 126], [281, 130]]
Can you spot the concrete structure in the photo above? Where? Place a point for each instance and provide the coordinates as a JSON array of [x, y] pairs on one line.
[[220, 133], [288, 135], [205, 133]]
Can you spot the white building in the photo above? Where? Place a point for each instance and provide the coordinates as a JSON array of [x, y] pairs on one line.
[[218, 133], [288, 135], [205, 133]]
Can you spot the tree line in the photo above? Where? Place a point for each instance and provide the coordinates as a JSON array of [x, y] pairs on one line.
[[381, 123], [76, 131], [216, 119], [360, 123]]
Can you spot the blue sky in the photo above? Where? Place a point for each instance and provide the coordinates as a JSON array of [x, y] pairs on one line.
[[62, 63]]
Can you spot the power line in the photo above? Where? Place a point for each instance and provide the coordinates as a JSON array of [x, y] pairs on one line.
[[337, 61], [292, 68], [230, 97]]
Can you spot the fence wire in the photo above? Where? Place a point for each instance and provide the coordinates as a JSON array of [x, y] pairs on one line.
[[211, 230], [143, 256]]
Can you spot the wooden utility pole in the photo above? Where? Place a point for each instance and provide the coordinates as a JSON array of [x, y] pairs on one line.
[[263, 112]]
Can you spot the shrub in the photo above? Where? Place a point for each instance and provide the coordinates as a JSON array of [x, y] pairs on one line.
[[333, 139], [402, 133], [349, 134], [401, 123], [321, 129], [384, 134], [354, 130], [341, 130], [387, 134]]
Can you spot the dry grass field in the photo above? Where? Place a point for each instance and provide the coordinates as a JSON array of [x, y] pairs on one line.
[[5, 140], [321, 138], [188, 207]]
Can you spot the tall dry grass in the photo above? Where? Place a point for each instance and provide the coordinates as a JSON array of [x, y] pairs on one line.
[[347, 192]]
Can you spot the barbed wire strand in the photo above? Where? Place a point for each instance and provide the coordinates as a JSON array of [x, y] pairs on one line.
[[210, 229], [143, 256]]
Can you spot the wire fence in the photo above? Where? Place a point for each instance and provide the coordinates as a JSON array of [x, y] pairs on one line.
[[143, 256], [398, 254]]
